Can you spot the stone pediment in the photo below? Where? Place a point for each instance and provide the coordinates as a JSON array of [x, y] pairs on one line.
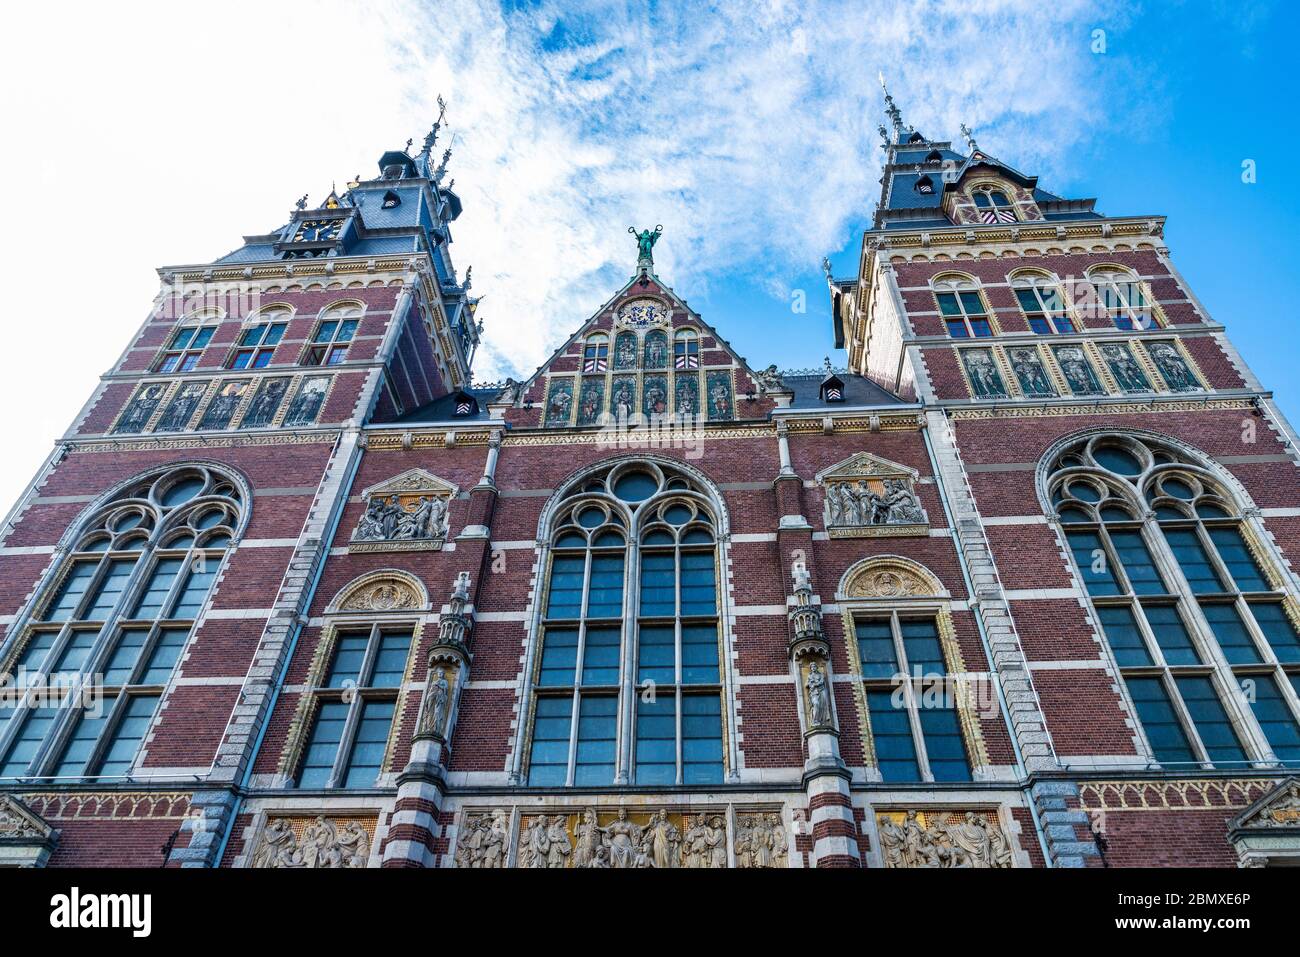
[[407, 512], [864, 465], [1279, 808], [26, 838], [1268, 832]]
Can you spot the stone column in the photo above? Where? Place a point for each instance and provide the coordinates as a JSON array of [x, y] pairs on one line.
[[825, 778], [420, 787]]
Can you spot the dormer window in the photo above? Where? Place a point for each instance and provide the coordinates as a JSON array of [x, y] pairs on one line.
[[466, 404], [832, 387], [993, 205], [393, 171], [916, 138], [925, 186], [391, 200], [934, 156]]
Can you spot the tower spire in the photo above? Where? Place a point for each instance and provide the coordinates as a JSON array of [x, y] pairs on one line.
[[432, 137], [892, 111]]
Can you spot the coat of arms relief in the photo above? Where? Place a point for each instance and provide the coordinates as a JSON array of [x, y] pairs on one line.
[[867, 496], [407, 513]]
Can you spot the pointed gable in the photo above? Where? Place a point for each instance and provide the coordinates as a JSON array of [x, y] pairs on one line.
[[644, 354]]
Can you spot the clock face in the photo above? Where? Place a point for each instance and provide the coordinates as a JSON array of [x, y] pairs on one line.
[[318, 230]]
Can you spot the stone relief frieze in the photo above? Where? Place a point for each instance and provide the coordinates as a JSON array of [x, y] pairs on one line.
[[328, 843], [406, 513], [867, 496], [624, 839], [954, 839]]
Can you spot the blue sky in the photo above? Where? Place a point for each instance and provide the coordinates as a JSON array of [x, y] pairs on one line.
[[745, 127]]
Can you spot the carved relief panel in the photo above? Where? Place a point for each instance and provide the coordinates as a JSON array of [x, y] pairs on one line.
[[868, 496], [302, 842], [406, 513], [933, 838]]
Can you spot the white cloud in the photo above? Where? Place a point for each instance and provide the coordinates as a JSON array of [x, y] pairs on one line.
[[159, 133]]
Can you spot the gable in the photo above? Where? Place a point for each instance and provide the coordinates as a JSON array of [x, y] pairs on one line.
[[864, 465], [644, 355]]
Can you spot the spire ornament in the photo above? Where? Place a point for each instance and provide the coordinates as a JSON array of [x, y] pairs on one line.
[[892, 111], [432, 137], [969, 137]]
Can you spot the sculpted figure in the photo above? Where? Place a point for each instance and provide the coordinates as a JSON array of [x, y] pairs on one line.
[[279, 846], [589, 840], [371, 526], [819, 699], [893, 842], [534, 844], [899, 504], [662, 840], [436, 701], [557, 837], [622, 837]]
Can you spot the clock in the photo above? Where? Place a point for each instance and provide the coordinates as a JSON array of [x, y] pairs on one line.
[[318, 230]]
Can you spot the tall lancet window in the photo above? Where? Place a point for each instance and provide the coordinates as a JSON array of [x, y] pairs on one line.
[[627, 676], [1198, 618], [100, 643]]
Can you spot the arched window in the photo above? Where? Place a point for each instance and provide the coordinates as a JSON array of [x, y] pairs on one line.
[[915, 713], [122, 607], [595, 354], [993, 205], [1122, 298], [259, 337], [1043, 304], [357, 681], [1199, 624], [629, 636], [962, 307], [337, 326], [686, 349], [934, 156], [925, 186]]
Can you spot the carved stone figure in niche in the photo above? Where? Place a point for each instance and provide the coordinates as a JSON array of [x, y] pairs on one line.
[[510, 394], [262, 410], [482, 843], [307, 403], [437, 698], [819, 697], [1077, 370], [943, 840], [761, 841], [1173, 367], [705, 843], [137, 414], [324, 844], [177, 414]]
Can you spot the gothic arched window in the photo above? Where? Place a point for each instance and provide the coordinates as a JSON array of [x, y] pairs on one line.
[[627, 680], [962, 307], [595, 353], [1198, 620], [686, 349], [121, 607]]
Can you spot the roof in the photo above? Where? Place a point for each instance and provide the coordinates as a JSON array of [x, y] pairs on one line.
[[858, 390], [443, 409]]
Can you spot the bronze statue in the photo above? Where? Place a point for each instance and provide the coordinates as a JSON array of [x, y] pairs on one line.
[[645, 244]]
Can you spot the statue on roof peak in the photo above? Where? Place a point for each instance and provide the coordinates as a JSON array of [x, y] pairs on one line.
[[645, 244]]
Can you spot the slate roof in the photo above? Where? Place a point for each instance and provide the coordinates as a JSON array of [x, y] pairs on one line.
[[443, 409], [858, 390]]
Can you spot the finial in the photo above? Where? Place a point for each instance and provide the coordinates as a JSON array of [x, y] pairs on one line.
[[969, 137], [826, 267], [884, 133], [891, 110], [302, 202], [432, 136], [469, 271], [408, 144], [441, 171], [829, 370]]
